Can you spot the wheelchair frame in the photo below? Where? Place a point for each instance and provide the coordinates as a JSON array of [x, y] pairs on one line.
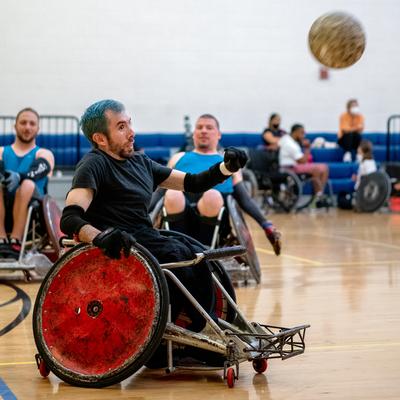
[[235, 341], [36, 244], [240, 271]]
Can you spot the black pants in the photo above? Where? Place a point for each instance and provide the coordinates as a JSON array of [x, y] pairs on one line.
[[196, 279], [197, 226], [350, 142]]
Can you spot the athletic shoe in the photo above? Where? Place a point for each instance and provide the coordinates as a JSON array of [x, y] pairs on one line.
[[274, 238], [347, 157], [4, 248], [323, 202]]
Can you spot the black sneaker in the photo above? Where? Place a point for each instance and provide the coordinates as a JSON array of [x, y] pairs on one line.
[[4, 248], [323, 202]]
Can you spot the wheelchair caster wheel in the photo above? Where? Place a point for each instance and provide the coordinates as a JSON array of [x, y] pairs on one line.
[[260, 365], [42, 367], [230, 377], [27, 275]]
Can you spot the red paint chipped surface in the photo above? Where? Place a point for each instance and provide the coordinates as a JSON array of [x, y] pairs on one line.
[[98, 345]]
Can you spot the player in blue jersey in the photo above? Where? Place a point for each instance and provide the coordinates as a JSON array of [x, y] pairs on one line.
[[24, 170], [199, 221]]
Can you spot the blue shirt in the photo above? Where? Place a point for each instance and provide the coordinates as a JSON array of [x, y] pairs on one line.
[[195, 162], [23, 164]]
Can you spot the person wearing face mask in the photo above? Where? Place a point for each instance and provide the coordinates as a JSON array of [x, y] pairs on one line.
[[350, 129], [273, 132]]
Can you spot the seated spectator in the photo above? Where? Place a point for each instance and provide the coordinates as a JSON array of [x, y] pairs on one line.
[[292, 156], [367, 162], [24, 168], [273, 133], [350, 129]]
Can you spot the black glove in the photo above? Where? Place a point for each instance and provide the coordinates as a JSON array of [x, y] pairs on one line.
[[234, 159], [112, 241], [12, 180]]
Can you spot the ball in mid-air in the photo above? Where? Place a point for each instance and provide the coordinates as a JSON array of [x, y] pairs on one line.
[[337, 40]]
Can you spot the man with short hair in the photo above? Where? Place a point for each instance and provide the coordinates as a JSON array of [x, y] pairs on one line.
[[199, 221], [291, 156], [108, 204], [24, 170]]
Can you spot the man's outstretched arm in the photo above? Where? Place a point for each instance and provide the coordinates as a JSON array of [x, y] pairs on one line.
[[234, 159]]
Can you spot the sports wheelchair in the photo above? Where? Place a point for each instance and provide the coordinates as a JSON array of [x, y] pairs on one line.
[[242, 268], [97, 320], [40, 242], [281, 189]]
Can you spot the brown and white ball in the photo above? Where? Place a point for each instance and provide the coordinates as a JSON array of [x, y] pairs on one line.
[[337, 40]]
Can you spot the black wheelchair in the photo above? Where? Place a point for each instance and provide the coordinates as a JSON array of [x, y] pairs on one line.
[[281, 189], [40, 242], [230, 229], [97, 320]]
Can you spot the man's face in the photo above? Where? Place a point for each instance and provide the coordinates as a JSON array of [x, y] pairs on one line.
[[27, 127], [299, 134], [206, 135], [120, 134]]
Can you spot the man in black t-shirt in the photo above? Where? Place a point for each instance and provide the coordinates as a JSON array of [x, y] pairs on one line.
[[112, 188]]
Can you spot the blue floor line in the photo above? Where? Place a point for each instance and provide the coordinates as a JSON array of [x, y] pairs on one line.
[[5, 392]]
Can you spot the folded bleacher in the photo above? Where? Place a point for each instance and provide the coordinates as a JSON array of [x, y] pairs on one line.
[[69, 147]]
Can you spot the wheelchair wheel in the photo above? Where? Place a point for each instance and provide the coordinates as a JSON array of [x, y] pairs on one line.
[[373, 192], [52, 216], [222, 308], [287, 191], [243, 235], [96, 320], [250, 182]]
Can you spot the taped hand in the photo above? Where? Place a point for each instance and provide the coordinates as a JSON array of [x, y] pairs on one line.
[[234, 159], [112, 241]]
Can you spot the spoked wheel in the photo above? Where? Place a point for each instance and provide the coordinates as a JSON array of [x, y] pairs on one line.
[[287, 191], [260, 365], [97, 320], [230, 377]]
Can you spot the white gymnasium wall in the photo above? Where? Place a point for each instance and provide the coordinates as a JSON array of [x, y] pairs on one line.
[[240, 60]]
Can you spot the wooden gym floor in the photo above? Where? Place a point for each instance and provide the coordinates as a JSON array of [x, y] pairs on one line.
[[339, 272]]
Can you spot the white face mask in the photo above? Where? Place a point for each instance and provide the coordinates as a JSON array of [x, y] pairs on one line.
[[355, 110]]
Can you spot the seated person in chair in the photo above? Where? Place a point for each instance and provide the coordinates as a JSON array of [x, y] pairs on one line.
[[108, 204], [292, 156], [24, 168], [273, 132], [200, 221]]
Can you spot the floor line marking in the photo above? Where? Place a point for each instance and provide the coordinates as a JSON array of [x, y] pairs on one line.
[[5, 391], [340, 237], [333, 264], [353, 346], [308, 348], [17, 363], [306, 260]]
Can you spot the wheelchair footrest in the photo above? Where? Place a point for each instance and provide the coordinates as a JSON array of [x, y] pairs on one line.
[[274, 342]]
